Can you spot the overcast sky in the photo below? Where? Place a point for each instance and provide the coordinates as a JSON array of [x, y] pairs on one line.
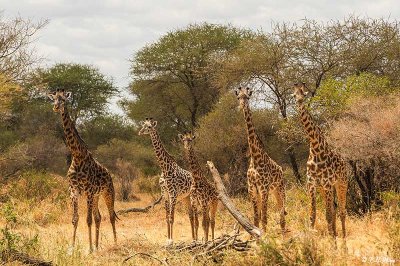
[[108, 33]]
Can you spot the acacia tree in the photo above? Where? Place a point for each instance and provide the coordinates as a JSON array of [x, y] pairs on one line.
[[91, 90], [171, 77], [311, 52], [17, 56]]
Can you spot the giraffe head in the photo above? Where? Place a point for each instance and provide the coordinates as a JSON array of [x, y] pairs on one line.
[[243, 95], [187, 139], [148, 126], [59, 97], [300, 92]]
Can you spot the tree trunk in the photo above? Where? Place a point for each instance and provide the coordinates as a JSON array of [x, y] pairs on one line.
[[223, 197], [293, 163]]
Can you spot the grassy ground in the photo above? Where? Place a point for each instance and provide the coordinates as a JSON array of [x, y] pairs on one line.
[[370, 239]]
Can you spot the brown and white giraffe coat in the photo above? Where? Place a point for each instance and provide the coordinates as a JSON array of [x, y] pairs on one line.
[[86, 176], [325, 168], [175, 181], [264, 174], [203, 195]]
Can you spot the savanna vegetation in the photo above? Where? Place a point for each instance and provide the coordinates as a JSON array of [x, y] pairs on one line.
[[185, 81]]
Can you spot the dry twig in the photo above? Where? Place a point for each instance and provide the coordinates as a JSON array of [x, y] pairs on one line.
[[145, 209]]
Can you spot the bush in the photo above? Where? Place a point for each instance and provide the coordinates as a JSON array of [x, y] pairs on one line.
[[12, 241], [148, 184], [125, 173], [34, 186]]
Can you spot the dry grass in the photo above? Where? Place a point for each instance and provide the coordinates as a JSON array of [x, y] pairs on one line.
[[368, 237]]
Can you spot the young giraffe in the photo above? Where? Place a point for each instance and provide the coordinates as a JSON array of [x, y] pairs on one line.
[[263, 174], [86, 175], [175, 182], [325, 168], [203, 195]]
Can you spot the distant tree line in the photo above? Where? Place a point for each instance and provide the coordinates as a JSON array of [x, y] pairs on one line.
[[184, 80]]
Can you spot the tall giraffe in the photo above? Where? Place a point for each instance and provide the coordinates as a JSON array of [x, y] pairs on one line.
[[175, 181], [264, 174], [203, 195], [325, 168], [85, 175]]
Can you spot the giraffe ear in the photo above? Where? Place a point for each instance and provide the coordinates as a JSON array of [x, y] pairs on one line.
[[52, 95], [154, 123], [250, 92], [236, 92], [180, 136]]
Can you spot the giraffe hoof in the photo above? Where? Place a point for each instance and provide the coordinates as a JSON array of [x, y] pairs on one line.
[[170, 242]]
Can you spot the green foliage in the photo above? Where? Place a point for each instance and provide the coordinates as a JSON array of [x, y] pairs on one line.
[[91, 90], [36, 186], [334, 95], [102, 129], [140, 156], [172, 77], [11, 240]]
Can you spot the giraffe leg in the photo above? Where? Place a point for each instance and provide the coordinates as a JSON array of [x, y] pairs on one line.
[[196, 223], [341, 191], [172, 204], [75, 215], [206, 222], [89, 220], [254, 198], [280, 199], [213, 211], [191, 216], [330, 211], [264, 209], [109, 198], [312, 191], [97, 219], [166, 205]]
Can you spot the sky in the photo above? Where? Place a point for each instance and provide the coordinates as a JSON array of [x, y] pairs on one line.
[[107, 33]]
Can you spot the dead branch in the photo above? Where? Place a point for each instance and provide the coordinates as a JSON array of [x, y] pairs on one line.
[[211, 248], [8, 256], [222, 195], [145, 209], [163, 262]]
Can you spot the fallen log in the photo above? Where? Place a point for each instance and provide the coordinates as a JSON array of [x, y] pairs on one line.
[[8, 256], [145, 209], [227, 202]]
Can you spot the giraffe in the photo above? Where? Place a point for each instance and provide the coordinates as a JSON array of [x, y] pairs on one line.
[[85, 175], [175, 181], [203, 195], [264, 174], [325, 168]]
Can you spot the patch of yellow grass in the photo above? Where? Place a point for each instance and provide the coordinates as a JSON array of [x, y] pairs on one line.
[[367, 238]]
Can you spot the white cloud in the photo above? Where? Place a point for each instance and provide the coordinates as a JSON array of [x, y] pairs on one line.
[[107, 33]]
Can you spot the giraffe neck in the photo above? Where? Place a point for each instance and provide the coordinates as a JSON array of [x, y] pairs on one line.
[[163, 157], [314, 133], [194, 165], [74, 142], [255, 145]]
